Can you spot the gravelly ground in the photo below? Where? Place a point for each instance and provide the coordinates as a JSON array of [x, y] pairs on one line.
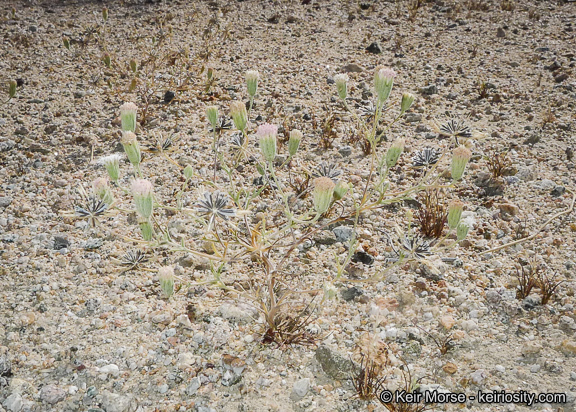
[[79, 334]]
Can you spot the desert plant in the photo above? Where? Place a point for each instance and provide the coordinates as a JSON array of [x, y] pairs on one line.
[[548, 117], [443, 343], [410, 386], [507, 5], [432, 214], [367, 380], [548, 285], [477, 5], [283, 326], [534, 14], [266, 224], [527, 279], [499, 164]]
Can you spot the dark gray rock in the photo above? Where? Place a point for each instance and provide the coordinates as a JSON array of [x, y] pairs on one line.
[[429, 90], [60, 242], [350, 293], [7, 145], [345, 151], [530, 302], [374, 48], [558, 191]]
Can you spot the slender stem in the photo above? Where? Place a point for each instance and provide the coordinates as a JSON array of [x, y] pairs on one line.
[[540, 229]]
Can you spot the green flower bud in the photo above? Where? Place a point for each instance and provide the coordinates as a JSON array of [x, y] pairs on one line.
[[166, 278], [460, 158], [407, 100], [294, 142], [341, 81], [267, 135], [252, 77], [107, 59], [132, 148], [239, 115], [409, 216], [66, 42], [454, 213], [383, 82], [105, 13], [394, 152], [12, 88], [143, 197], [330, 291], [323, 191], [212, 114], [133, 66], [128, 117], [340, 190], [188, 172], [463, 228], [146, 229]]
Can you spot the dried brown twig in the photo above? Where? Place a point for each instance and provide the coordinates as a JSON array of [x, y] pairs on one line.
[[540, 229]]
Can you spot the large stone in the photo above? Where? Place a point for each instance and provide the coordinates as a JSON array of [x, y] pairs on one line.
[[112, 402], [300, 389], [193, 387], [52, 394], [333, 364], [374, 48], [343, 233], [429, 90], [352, 68], [13, 403], [5, 201]]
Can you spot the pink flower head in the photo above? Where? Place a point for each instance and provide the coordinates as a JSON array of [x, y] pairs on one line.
[[386, 73], [100, 184], [141, 187], [383, 81], [267, 129]]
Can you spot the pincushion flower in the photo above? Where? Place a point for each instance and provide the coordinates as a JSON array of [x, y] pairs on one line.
[[341, 81], [294, 141], [128, 117], [143, 197], [323, 191], [267, 137], [132, 149], [383, 82], [252, 77], [239, 115], [455, 208], [112, 165], [461, 156], [166, 278]]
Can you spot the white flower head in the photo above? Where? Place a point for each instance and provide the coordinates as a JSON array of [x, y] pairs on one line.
[[112, 165]]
